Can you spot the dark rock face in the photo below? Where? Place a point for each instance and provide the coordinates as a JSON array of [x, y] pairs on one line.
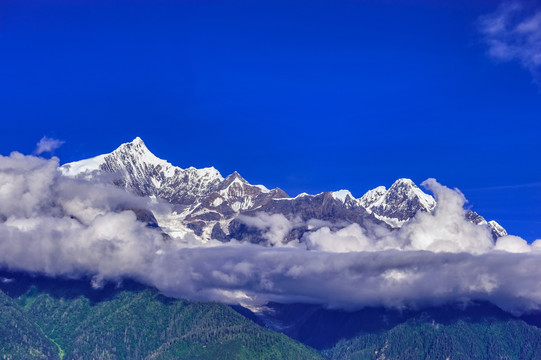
[[495, 229], [322, 207], [196, 226], [146, 216], [240, 231], [208, 216], [475, 217], [218, 233]]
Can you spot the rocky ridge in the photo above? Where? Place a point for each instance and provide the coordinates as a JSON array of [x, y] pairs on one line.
[[208, 204]]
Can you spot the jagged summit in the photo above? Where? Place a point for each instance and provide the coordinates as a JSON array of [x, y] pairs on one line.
[[135, 149], [397, 204], [342, 195], [202, 197], [371, 196], [139, 170], [404, 199], [232, 178], [132, 152], [206, 202]]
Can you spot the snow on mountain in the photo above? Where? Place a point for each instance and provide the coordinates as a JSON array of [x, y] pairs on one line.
[[497, 229], [135, 168], [86, 166], [371, 196], [210, 217], [342, 195], [398, 204], [207, 203], [201, 197], [404, 199], [305, 214]]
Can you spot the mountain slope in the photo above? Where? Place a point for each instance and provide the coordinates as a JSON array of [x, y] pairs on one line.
[[20, 337], [429, 337], [478, 331], [53, 319], [303, 211], [133, 322]]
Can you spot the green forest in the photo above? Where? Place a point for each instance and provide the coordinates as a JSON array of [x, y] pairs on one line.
[[55, 322], [67, 319]]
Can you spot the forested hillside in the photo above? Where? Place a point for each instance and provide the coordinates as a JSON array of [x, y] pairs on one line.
[[49, 319], [43, 318]]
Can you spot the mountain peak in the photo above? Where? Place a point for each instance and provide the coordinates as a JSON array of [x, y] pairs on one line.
[[342, 195], [136, 152], [234, 176], [404, 182], [371, 196], [136, 144], [398, 204], [138, 169]]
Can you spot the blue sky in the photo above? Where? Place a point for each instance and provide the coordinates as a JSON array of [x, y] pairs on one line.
[[307, 96]]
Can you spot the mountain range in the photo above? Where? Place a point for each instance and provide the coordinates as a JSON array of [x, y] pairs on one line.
[[208, 204]]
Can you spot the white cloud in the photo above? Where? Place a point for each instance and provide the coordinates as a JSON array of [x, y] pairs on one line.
[[61, 226], [513, 32], [274, 226], [512, 244], [67, 227], [446, 229], [47, 144], [443, 230], [350, 280], [350, 238]]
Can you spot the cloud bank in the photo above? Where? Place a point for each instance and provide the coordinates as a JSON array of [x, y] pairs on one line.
[[513, 33], [67, 227]]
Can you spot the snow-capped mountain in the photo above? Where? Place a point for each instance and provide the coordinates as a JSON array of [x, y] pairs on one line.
[[345, 197], [134, 167], [398, 204], [496, 229], [203, 200], [211, 215], [306, 213], [209, 204]]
